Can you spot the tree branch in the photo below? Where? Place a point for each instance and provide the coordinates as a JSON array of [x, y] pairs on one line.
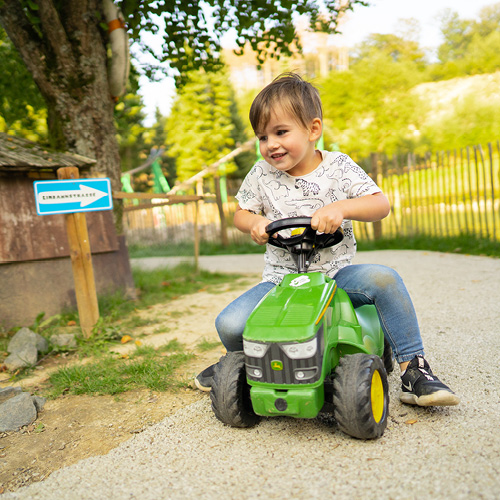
[[55, 34]]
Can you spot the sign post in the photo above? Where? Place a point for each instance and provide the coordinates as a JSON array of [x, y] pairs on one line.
[[71, 196]]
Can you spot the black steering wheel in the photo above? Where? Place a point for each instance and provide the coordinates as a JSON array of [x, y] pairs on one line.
[[302, 246], [309, 235]]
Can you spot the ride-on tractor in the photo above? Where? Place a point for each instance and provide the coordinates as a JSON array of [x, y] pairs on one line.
[[306, 350]]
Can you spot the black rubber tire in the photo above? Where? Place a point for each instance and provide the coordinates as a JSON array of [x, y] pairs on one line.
[[352, 396], [388, 357], [230, 392]]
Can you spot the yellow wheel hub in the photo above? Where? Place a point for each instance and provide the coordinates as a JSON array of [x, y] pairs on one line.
[[377, 397]]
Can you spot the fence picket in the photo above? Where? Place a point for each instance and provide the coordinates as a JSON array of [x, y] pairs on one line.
[[492, 181]]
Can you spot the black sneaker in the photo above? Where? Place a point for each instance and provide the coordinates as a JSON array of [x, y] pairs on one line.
[[205, 379], [421, 387]]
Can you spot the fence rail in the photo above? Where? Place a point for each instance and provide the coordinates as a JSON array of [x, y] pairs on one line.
[[441, 194]]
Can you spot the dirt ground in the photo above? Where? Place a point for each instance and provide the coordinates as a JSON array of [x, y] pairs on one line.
[[77, 427]]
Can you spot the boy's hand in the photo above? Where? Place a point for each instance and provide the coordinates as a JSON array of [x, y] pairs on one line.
[[258, 231], [328, 218]]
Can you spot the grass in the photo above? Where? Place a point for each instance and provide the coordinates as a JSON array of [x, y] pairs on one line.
[[147, 367], [206, 345], [164, 284], [463, 244], [186, 249], [466, 244]]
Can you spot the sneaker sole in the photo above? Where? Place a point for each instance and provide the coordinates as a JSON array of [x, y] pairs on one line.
[[439, 398], [201, 387]]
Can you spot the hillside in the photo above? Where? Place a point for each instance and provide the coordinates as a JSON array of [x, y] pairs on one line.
[[443, 97]]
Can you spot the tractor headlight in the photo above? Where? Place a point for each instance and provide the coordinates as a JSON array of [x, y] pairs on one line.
[[254, 349], [301, 350], [306, 374]]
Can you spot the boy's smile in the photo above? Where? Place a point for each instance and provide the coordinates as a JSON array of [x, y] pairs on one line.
[[288, 146]]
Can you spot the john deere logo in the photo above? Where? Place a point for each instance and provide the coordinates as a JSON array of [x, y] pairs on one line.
[[277, 365]]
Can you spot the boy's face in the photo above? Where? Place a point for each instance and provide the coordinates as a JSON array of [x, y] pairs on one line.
[[286, 145]]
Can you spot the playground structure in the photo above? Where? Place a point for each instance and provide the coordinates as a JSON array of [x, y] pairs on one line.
[[156, 217]]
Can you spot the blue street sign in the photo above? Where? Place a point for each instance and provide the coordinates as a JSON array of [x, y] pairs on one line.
[[69, 196]]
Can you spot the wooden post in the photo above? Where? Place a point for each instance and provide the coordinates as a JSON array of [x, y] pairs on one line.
[[377, 225], [196, 241], [81, 262], [196, 236]]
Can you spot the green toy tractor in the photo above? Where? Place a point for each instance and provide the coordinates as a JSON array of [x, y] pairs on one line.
[[306, 350]]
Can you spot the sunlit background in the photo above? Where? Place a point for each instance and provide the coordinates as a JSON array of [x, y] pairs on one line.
[[382, 16]]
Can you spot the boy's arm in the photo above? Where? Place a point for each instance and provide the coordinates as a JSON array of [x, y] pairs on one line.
[[253, 224], [369, 208]]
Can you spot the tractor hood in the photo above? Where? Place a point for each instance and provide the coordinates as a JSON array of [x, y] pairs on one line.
[[291, 311]]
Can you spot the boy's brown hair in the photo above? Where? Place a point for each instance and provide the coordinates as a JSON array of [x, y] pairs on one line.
[[293, 94]]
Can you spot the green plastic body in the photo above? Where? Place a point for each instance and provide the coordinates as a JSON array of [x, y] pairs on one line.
[[304, 307]]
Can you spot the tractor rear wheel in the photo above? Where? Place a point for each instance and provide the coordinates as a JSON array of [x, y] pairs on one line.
[[361, 396], [230, 392]]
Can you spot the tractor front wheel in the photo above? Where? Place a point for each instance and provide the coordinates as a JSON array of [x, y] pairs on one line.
[[230, 392], [361, 396], [388, 357]]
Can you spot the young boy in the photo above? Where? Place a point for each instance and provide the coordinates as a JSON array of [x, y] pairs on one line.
[[295, 179]]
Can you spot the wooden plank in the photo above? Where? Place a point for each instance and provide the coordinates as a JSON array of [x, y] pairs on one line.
[[16, 221], [81, 262]]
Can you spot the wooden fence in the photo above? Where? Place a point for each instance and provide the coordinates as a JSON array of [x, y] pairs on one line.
[[441, 194], [175, 224]]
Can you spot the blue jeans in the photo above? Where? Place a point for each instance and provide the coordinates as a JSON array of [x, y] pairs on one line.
[[365, 284]]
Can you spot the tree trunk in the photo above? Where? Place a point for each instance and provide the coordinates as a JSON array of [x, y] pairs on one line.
[[65, 51]]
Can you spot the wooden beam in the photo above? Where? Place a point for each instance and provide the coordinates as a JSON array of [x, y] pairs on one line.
[[247, 146], [121, 195]]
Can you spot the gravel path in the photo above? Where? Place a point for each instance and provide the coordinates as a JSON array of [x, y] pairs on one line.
[[437, 453]]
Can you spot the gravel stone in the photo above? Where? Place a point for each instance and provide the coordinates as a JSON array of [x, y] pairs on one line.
[[17, 412], [26, 336], [9, 392], [26, 355], [63, 340]]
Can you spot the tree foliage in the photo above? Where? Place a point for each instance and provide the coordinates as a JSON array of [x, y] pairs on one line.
[[134, 139], [470, 46], [368, 108], [201, 125], [22, 108], [192, 31]]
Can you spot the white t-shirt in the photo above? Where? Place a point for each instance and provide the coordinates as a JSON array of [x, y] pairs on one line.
[[277, 195]]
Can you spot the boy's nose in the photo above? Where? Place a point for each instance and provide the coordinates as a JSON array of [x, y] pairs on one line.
[[273, 144]]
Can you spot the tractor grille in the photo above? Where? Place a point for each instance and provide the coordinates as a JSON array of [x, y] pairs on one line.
[[286, 375]]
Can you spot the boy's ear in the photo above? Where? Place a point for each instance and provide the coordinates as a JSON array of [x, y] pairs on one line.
[[315, 130]]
